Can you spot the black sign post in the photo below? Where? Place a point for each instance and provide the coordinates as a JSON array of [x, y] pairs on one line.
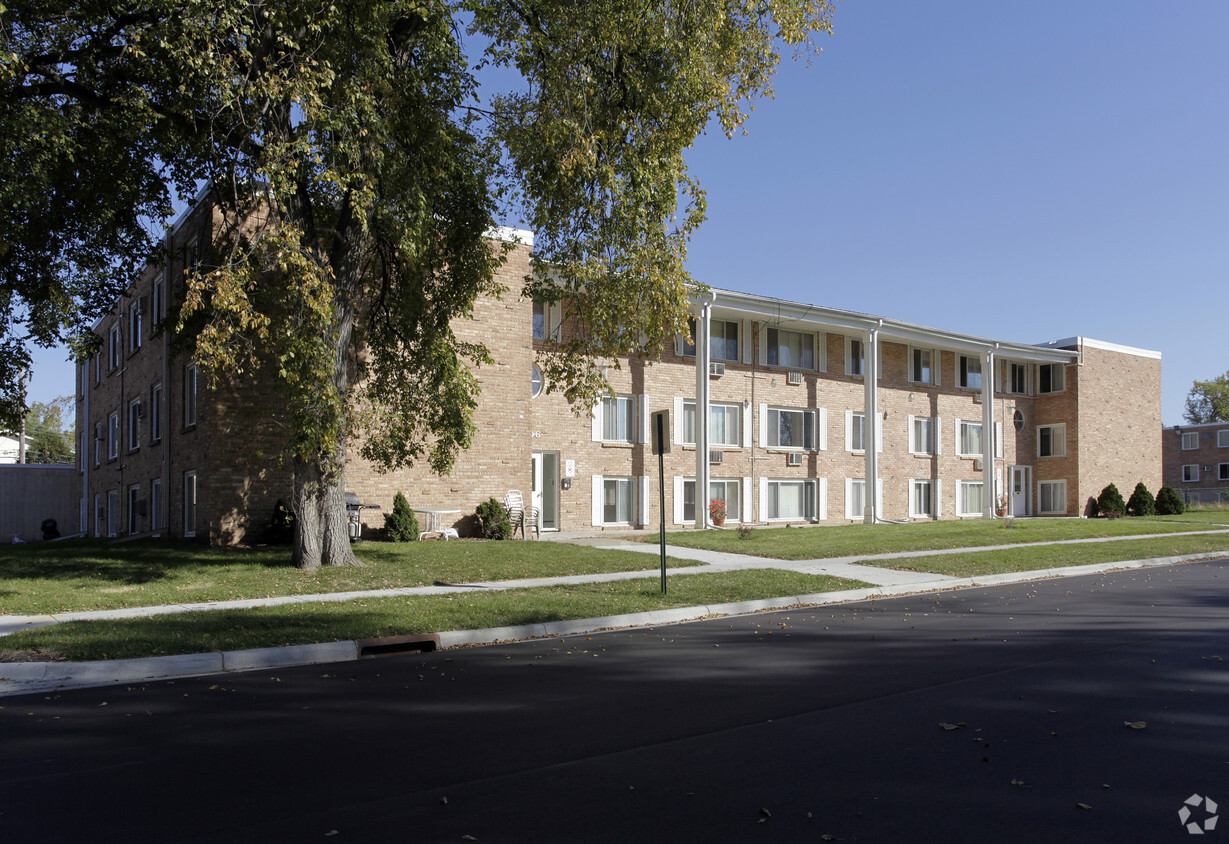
[[660, 445]]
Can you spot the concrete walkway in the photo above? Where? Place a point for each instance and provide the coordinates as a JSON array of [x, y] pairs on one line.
[[21, 677]]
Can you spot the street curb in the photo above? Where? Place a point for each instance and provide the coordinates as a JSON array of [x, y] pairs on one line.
[[28, 677]]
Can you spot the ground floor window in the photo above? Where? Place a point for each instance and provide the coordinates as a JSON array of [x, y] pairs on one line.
[[969, 498], [1052, 497], [855, 498], [1190, 473], [618, 497], [155, 504], [112, 512], [728, 491], [789, 499], [1223, 472], [922, 499], [189, 504], [134, 509]]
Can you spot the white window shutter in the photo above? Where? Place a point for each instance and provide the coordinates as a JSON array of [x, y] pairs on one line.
[[597, 421], [938, 435], [556, 322], [956, 427], [747, 425], [938, 498], [879, 497], [912, 439], [745, 510], [763, 426], [909, 487], [822, 515], [821, 351], [644, 501], [597, 500], [849, 430], [823, 429], [642, 408], [935, 357], [763, 508], [879, 360], [848, 496], [878, 432], [678, 500], [998, 439], [678, 344], [745, 329], [763, 344], [679, 432]]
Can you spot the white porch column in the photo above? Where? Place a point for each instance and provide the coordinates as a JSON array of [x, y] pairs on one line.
[[987, 441], [870, 422], [703, 356]]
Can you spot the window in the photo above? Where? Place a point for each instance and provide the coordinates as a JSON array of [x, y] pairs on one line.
[[791, 428], [1017, 421], [722, 340], [1222, 439], [729, 491], [189, 395], [155, 413], [921, 499], [189, 503], [113, 436], [855, 498], [724, 424], [968, 439], [134, 424], [1222, 472], [539, 320], [98, 367], [1190, 440], [1190, 473], [921, 365], [134, 326], [790, 500], [536, 382], [969, 498], [1050, 377], [98, 515], [112, 512], [134, 509], [1052, 497], [156, 301], [1051, 440], [969, 372], [855, 433], [113, 348], [618, 497], [155, 504], [1017, 377], [795, 349], [618, 419], [99, 442], [921, 435]]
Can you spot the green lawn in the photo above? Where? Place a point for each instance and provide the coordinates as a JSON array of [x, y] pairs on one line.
[[815, 543], [81, 575], [295, 624]]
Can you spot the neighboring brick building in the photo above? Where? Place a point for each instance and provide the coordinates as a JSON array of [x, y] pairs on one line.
[[1197, 461], [788, 388]]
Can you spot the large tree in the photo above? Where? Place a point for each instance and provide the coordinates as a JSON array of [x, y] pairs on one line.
[[357, 165], [1208, 401]]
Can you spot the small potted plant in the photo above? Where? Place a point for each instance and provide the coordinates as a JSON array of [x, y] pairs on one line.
[[716, 512], [1000, 506]]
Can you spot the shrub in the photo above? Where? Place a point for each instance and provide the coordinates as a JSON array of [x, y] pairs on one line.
[[1110, 503], [281, 526], [1141, 502], [1169, 503], [493, 521], [744, 531], [401, 525]]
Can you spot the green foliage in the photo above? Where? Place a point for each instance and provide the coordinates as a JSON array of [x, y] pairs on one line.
[[493, 521], [1110, 504], [1208, 401], [1169, 503], [401, 525], [1141, 502], [49, 432], [281, 524]]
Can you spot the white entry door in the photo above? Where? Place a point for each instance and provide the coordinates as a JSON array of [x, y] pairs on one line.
[[545, 494], [1020, 486]]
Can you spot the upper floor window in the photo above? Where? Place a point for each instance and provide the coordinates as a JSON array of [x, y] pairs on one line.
[[969, 372], [1050, 377], [1016, 377], [724, 424], [156, 299], [1051, 440], [855, 357], [134, 424], [968, 439], [113, 348], [1190, 440], [539, 319], [1222, 439], [134, 326], [790, 348], [618, 418], [921, 365], [113, 436], [790, 428], [921, 435], [723, 340], [189, 395], [155, 413]]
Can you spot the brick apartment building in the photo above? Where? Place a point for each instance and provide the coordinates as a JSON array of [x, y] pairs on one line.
[[1196, 461], [787, 388]]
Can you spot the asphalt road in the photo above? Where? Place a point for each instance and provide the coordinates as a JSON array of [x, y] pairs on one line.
[[785, 726]]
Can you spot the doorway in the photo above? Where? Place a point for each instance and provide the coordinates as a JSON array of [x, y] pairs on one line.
[[545, 494], [1021, 484]]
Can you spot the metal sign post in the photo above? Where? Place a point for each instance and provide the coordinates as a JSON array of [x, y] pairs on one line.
[[660, 427]]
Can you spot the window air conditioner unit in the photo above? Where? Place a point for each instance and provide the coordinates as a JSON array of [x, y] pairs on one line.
[[977, 398], [716, 456], [794, 458], [977, 464], [795, 378], [716, 369]]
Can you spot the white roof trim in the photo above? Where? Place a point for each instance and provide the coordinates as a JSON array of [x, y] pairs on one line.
[[1106, 346], [510, 235]]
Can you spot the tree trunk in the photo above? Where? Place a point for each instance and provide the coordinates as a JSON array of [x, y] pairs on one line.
[[321, 535]]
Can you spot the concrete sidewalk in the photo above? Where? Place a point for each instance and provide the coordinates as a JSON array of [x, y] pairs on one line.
[[23, 677]]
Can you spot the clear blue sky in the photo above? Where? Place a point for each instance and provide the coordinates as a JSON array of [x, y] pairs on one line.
[[1024, 171]]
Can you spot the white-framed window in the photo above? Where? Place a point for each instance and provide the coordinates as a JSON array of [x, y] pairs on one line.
[[189, 395], [855, 357], [728, 490], [1222, 438], [922, 365], [134, 326], [855, 498], [1190, 440], [134, 424], [969, 498], [155, 413], [1190, 473], [1015, 376], [98, 367], [922, 437], [724, 424], [540, 309], [855, 431], [134, 509], [1017, 420], [968, 438], [112, 512], [968, 371], [189, 503], [547, 320], [113, 436], [790, 500], [790, 349], [1222, 472], [724, 340], [1052, 497], [790, 427], [1051, 377], [618, 419], [100, 442], [155, 504], [618, 500], [113, 348], [536, 381], [98, 515], [157, 302], [1051, 440], [921, 499]]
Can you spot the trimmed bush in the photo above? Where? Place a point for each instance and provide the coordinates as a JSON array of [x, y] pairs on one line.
[[1110, 503], [280, 529], [1141, 502], [401, 525], [1169, 503], [493, 521]]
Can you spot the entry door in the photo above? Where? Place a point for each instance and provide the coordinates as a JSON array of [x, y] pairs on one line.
[[1020, 486], [545, 495]]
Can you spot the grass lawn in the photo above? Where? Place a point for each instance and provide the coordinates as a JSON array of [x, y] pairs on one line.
[[1055, 556], [325, 622], [849, 540], [82, 575]]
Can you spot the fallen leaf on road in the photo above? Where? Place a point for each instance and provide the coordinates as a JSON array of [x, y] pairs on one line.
[[948, 726], [1135, 725], [1083, 805]]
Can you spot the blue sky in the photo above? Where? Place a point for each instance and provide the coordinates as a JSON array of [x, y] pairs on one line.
[[1024, 171]]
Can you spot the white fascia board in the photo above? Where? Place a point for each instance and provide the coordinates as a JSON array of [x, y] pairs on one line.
[[1079, 342], [509, 235]]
